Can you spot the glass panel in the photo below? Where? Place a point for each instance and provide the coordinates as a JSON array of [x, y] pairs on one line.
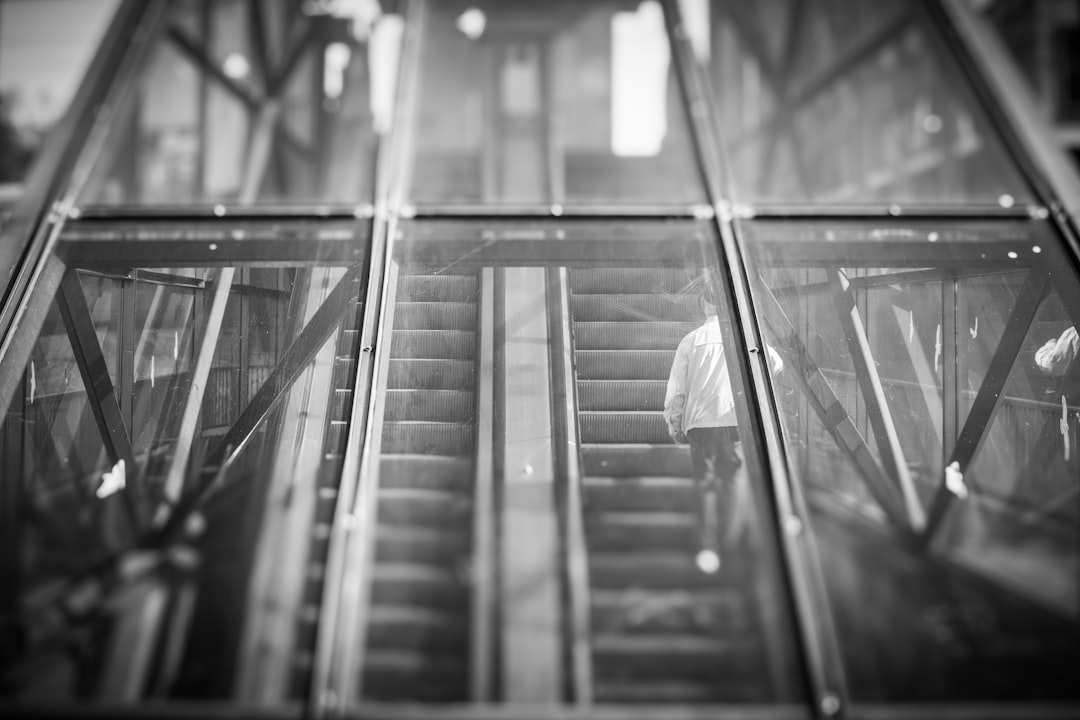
[[41, 63], [251, 103], [927, 419], [525, 464], [171, 459], [534, 103], [840, 101]]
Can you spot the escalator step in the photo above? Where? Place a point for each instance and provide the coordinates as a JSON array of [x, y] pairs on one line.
[[431, 374], [437, 288], [440, 344], [419, 545], [621, 394], [427, 438], [434, 316], [421, 630], [672, 571], [628, 531], [637, 280], [630, 307], [647, 494], [623, 427], [425, 471], [624, 364], [425, 507], [649, 612], [630, 335], [396, 584], [435, 405], [645, 691], [395, 675], [678, 657], [636, 460]]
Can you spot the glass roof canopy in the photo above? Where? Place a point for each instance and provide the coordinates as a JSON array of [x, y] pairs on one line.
[[340, 376]]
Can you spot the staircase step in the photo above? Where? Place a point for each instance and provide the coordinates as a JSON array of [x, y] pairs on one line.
[[434, 316], [622, 426], [641, 395], [431, 374], [636, 460], [637, 280], [433, 438], [431, 344], [645, 494], [425, 507], [624, 364], [647, 307], [630, 335], [435, 405], [426, 471], [437, 288]]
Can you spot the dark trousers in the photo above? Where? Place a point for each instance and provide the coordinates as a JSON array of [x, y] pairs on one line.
[[715, 460]]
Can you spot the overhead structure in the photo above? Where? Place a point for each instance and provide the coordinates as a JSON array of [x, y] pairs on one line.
[[337, 335]]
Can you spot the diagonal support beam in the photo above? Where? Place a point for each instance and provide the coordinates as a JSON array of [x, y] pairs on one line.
[[94, 369], [988, 399], [829, 409], [877, 405], [296, 358]]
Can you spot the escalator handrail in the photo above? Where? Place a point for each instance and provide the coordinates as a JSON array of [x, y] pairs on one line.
[[576, 570]]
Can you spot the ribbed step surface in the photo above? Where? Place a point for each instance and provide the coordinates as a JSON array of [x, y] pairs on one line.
[[418, 629], [663, 631]]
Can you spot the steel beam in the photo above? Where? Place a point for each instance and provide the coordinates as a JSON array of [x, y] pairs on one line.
[[877, 405], [829, 409], [988, 399], [94, 370]]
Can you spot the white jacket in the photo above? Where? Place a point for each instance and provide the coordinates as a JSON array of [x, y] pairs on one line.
[[1056, 355], [699, 387]]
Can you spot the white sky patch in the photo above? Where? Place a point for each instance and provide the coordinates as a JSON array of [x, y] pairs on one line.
[[639, 70]]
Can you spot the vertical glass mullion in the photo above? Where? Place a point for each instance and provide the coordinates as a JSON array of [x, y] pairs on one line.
[[821, 655]]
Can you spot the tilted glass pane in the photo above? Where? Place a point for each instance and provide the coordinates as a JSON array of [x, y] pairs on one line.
[[254, 103], [568, 102], [845, 102], [927, 415], [171, 451], [536, 528]]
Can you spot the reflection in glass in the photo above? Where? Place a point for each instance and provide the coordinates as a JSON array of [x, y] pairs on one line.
[[932, 447], [574, 102], [525, 464], [849, 102], [171, 458], [245, 103]]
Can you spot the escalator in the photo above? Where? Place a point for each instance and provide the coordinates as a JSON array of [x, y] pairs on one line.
[[662, 630], [418, 627]]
